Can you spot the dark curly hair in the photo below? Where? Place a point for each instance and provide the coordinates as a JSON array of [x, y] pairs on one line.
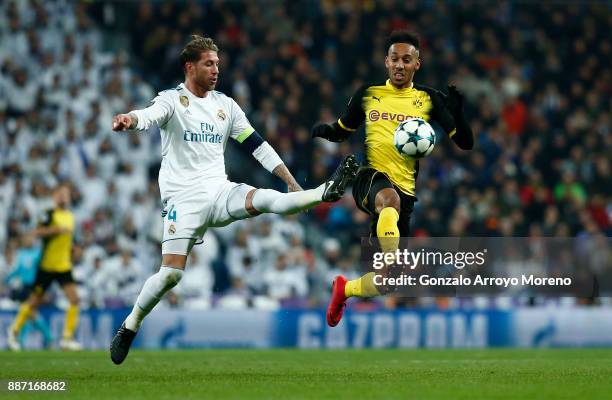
[[402, 37]]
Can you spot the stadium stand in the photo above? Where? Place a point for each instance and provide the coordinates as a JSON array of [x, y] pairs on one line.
[[539, 93]]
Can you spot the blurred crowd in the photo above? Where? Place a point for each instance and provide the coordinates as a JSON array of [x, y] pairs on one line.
[[539, 96]]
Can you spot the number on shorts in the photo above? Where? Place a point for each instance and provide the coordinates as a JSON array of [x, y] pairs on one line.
[[172, 214]]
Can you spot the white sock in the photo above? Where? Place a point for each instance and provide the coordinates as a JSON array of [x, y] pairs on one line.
[[271, 201], [152, 291]]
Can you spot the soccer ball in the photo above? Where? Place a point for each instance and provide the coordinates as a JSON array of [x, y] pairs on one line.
[[414, 138]]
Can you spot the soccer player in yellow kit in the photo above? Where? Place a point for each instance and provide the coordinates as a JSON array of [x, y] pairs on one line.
[[385, 185], [56, 230]]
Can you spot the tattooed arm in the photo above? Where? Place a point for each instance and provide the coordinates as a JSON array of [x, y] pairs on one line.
[[283, 172]]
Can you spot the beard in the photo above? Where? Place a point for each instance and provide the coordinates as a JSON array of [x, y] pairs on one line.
[[205, 83]]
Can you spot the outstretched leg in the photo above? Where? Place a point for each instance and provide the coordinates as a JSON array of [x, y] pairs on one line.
[[270, 201], [152, 291]]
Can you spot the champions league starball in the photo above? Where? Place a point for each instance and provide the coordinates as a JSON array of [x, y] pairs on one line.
[[414, 138]]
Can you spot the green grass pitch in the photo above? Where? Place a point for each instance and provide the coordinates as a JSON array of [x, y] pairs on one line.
[[336, 374]]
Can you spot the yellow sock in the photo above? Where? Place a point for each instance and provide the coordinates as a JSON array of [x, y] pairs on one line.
[[72, 320], [362, 287], [22, 316], [387, 230]]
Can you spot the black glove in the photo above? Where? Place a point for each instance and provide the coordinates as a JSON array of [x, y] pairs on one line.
[[454, 100], [329, 132], [322, 131]]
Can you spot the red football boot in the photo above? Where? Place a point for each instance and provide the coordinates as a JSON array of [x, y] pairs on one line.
[[336, 306]]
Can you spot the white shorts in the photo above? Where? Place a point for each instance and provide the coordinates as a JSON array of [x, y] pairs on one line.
[[188, 213]]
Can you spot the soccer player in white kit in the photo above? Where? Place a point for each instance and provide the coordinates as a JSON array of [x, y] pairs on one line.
[[195, 123]]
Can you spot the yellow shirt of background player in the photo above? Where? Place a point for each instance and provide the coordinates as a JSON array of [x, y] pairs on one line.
[[58, 248]]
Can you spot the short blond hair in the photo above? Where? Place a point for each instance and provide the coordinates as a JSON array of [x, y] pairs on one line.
[[196, 46]]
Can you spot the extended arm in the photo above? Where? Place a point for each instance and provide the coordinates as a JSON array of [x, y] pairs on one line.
[[124, 122], [333, 132], [463, 137], [46, 231], [283, 172], [157, 113], [268, 158]]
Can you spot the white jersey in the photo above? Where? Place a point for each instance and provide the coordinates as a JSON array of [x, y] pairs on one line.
[[194, 133]]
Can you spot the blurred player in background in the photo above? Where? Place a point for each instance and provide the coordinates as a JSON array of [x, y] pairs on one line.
[[385, 185], [23, 275], [56, 230], [195, 123]]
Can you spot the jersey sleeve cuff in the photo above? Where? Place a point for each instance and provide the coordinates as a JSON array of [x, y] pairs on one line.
[[140, 124], [344, 126]]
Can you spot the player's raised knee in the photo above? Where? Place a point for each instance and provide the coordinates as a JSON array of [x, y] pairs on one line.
[[388, 198]]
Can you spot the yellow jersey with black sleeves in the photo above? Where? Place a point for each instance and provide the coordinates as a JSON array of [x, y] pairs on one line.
[[57, 249], [383, 107]]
